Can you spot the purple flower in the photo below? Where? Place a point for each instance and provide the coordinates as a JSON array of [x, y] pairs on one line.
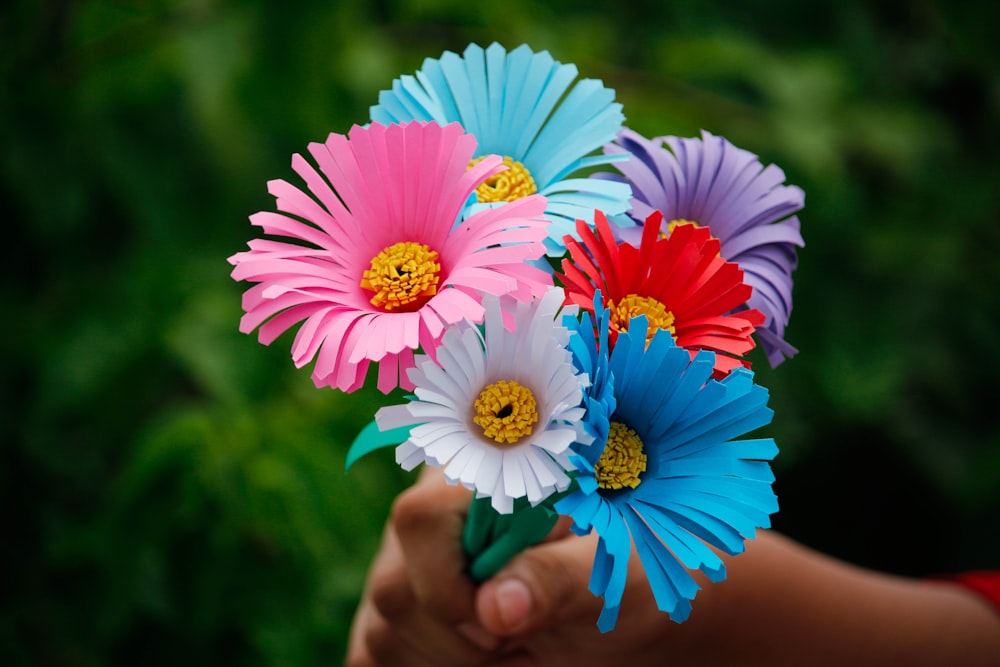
[[747, 206]]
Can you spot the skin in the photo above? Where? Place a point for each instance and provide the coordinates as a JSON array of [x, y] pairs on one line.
[[782, 604]]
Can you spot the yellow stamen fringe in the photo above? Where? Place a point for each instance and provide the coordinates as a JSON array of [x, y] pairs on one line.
[[402, 274], [506, 411]]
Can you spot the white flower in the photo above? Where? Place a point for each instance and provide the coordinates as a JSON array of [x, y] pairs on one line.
[[499, 408]]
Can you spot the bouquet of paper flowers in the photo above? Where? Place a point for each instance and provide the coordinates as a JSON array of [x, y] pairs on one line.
[[566, 303]]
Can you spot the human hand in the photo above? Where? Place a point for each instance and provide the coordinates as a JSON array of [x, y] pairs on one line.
[[419, 607], [782, 604]]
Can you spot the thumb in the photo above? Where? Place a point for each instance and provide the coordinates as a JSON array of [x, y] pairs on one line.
[[541, 587]]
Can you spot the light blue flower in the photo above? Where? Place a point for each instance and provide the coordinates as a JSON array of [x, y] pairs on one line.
[[526, 107], [697, 487]]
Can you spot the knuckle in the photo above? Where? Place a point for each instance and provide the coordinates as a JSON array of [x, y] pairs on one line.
[[547, 568], [552, 582], [411, 511], [428, 506]]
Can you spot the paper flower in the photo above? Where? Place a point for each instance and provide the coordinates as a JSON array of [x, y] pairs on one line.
[[523, 106], [499, 409], [711, 182], [679, 282], [377, 266], [586, 343], [670, 478]]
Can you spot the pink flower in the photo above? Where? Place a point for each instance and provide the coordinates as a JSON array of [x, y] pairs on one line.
[[378, 267]]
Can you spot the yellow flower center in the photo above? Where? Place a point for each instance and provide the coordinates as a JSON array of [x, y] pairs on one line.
[[402, 274], [634, 305], [622, 461], [513, 183], [506, 411], [674, 224]]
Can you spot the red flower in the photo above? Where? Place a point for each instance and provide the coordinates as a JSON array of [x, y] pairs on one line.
[[679, 282]]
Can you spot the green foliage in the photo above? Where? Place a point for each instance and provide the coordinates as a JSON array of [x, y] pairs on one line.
[[173, 492]]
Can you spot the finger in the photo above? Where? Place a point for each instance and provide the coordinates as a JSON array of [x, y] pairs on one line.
[[387, 596], [391, 628], [542, 587], [412, 638], [389, 587], [389, 645], [429, 518], [357, 650]]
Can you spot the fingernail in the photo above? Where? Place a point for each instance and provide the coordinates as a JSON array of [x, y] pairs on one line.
[[478, 636], [513, 603]]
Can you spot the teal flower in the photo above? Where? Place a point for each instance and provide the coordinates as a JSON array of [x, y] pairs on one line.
[[669, 477], [525, 107]]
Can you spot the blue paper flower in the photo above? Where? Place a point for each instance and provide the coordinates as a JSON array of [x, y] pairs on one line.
[[670, 477], [587, 341], [525, 107]]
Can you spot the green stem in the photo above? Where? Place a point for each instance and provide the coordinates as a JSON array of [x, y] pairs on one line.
[[491, 539]]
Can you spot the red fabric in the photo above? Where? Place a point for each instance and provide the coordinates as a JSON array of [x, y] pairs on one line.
[[983, 582]]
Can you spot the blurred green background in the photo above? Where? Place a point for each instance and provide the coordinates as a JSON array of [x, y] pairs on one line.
[[172, 492]]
